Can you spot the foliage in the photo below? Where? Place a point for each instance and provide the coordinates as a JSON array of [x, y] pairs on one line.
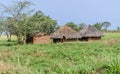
[[106, 25], [21, 23], [72, 25], [118, 28], [64, 58], [82, 25], [43, 23], [14, 15], [114, 66], [98, 26]]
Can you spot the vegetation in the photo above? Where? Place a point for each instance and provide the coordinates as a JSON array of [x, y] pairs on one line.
[[106, 25], [21, 21], [102, 25], [82, 25], [73, 26], [76, 27], [17, 19], [64, 58], [98, 26]]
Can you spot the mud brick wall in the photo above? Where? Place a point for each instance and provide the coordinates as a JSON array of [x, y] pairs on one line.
[[41, 40]]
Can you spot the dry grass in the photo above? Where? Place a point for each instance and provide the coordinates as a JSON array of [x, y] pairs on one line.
[[111, 42], [38, 54], [7, 53], [63, 58], [4, 37], [5, 67]]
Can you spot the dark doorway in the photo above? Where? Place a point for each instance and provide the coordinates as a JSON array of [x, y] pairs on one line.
[[63, 39]]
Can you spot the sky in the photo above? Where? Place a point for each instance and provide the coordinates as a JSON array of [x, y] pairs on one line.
[[78, 11]]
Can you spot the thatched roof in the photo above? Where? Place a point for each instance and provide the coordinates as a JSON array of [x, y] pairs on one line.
[[91, 31], [65, 31]]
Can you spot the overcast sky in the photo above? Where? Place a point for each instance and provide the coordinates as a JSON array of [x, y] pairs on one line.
[[78, 11]]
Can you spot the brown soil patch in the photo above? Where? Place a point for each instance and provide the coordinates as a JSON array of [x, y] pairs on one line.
[[5, 67], [100, 70]]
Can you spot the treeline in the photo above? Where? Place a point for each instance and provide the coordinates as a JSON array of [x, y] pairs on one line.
[[103, 26], [78, 27], [18, 19]]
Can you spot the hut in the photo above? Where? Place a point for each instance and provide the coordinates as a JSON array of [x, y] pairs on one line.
[[90, 33], [65, 34], [38, 38]]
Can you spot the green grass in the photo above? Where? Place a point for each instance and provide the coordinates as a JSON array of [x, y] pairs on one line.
[[112, 36], [68, 58]]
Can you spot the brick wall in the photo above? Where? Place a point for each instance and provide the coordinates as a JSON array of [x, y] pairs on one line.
[[41, 39]]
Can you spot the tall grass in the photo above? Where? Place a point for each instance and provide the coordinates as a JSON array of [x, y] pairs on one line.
[[64, 58]]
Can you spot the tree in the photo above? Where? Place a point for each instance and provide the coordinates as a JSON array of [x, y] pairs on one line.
[[7, 28], [19, 22], [43, 23], [1, 25], [82, 25], [118, 28], [106, 25], [57, 27], [15, 16], [98, 25], [72, 25]]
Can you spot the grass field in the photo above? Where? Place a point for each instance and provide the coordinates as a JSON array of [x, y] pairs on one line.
[[98, 57]]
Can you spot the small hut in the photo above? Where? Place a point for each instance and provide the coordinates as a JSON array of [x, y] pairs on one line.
[[38, 38], [65, 34], [90, 33]]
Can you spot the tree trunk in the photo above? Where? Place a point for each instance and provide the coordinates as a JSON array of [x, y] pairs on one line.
[[19, 39], [24, 39], [8, 36], [9, 39]]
